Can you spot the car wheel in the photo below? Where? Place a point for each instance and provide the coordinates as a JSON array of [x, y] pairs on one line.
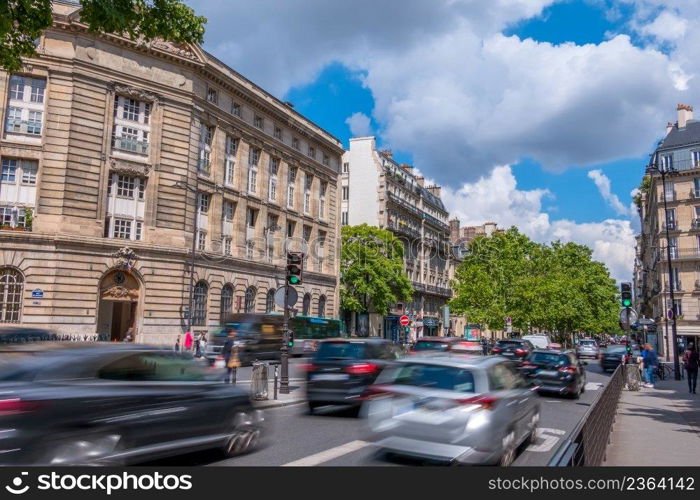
[[509, 446], [534, 424], [242, 437], [312, 405], [91, 448]]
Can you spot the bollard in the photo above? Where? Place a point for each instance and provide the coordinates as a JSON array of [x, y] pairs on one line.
[[258, 382]]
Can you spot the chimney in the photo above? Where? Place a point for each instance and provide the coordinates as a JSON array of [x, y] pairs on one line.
[[408, 168], [454, 229], [685, 114], [420, 180], [489, 228], [434, 190], [669, 126], [387, 153]]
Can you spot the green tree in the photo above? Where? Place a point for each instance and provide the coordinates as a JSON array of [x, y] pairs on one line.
[[372, 277], [23, 21]]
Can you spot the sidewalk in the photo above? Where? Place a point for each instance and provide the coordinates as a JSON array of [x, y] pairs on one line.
[[297, 394], [654, 427]]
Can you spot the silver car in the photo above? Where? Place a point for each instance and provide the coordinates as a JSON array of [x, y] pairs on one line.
[[452, 408], [587, 348]]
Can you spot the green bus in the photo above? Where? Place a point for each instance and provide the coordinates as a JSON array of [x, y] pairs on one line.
[[308, 330]]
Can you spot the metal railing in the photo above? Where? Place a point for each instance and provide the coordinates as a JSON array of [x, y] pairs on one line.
[[131, 145], [23, 126], [587, 443]]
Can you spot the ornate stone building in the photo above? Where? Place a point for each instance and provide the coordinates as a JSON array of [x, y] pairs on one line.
[[121, 160]]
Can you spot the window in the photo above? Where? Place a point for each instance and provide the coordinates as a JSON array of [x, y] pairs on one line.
[[11, 286], [29, 169], [295, 143], [9, 170], [122, 218], [122, 229], [322, 306], [272, 187], [252, 179], [131, 125], [270, 301], [346, 193], [308, 181], [671, 218], [696, 158], [203, 203], [346, 167], [306, 305], [226, 305], [259, 122], [254, 156], [230, 159], [199, 306], [290, 187], [306, 233], [278, 133], [676, 274], [673, 244], [666, 162], [251, 217], [326, 160], [311, 152], [201, 241], [290, 229], [227, 211], [125, 186], [212, 95], [206, 136], [678, 307], [236, 109], [226, 245], [344, 218], [249, 305], [26, 105], [323, 186]]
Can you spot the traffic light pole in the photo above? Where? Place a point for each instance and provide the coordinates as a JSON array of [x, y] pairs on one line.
[[284, 381]]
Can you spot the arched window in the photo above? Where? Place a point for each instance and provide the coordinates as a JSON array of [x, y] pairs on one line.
[[250, 299], [11, 284], [306, 307], [270, 302], [226, 301], [321, 306], [199, 313]]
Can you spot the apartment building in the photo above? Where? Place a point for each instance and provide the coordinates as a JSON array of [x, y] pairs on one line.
[[137, 174], [671, 208], [378, 191]]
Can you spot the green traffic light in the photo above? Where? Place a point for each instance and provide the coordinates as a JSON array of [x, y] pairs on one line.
[[627, 303], [293, 280]]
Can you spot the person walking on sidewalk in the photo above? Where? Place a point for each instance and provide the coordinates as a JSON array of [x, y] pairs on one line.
[[651, 363], [189, 340], [691, 362], [230, 354]]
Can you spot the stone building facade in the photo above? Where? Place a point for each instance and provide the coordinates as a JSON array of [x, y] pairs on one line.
[[120, 158]]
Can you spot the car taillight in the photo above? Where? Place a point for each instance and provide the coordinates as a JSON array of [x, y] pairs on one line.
[[528, 364], [307, 367], [520, 351], [374, 392], [14, 406], [568, 369], [485, 402], [362, 368], [496, 349]]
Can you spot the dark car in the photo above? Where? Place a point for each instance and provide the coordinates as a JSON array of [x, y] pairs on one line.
[[440, 344], [342, 369], [116, 404], [555, 371], [19, 334], [515, 349], [614, 354]]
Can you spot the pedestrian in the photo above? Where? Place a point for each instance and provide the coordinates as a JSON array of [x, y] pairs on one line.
[[691, 363], [484, 346], [231, 358], [177, 344], [129, 337], [651, 363], [189, 340], [200, 345]]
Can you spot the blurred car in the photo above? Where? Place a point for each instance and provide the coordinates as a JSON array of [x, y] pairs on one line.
[[588, 348], [554, 345], [452, 408], [539, 341], [515, 349], [467, 347], [341, 370], [614, 354], [441, 344], [115, 404], [555, 371], [19, 334]]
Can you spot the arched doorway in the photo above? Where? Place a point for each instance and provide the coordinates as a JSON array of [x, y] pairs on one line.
[[118, 305]]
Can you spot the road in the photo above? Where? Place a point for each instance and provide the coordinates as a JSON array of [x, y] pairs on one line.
[[334, 437]]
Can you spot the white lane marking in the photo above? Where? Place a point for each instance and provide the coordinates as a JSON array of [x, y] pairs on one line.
[[546, 439], [593, 386], [328, 455]]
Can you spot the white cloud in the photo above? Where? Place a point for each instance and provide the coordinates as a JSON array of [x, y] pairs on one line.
[[666, 26], [602, 182], [496, 197], [359, 124]]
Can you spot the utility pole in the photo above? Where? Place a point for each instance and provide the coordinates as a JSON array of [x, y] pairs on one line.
[[284, 381]]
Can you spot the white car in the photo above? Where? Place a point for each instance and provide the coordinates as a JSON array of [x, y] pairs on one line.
[[539, 341]]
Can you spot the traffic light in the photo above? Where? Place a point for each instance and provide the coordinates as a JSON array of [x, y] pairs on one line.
[[295, 267], [290, 338], [626, 294]]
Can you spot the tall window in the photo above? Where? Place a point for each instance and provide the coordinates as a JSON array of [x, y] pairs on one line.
[[696, 158], [212, 95], [323, 187], [307, 192], [320, 250], [344, 218], [346, 167], [270, 301], [25, 111], [306, 233], [311, 152], [125, 207], [295, 143], [249, 305], [290, 229], [326, 160], [230, 159], [11, 286], [306, 305], [272, 183], [203, 200], [345, 193], [206, 136], [199, 309], [673, 244], [253, 161], [278, 133], [132, 127], [322, 306], [226, 305], [696, 187], [291, 181], [671, 218], [236, 109], [17, 190], [676, 274], [669, 192], [259, 122], [666, 162]]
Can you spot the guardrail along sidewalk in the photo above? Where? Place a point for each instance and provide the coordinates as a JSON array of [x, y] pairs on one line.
[[654, 427]]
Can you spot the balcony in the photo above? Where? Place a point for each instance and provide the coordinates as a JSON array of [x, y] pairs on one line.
[[672, 226], [668, 197], [676, 287], [403, 229], [203, 166], [131, 145], [678, 254], [419, 287], [436, 290], [22, 127]]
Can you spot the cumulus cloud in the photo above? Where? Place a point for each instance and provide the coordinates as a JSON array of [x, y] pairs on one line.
[[496, 197], [666, 26], [602, 182], [359, 124]]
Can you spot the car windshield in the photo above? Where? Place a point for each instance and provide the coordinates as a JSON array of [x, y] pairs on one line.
[[340, 350], [616, 349], [430, 345], [433, 376], [546, 358]]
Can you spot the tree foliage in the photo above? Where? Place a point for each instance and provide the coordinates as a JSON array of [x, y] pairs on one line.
[[372, 276], [23, 21], [557, 287]]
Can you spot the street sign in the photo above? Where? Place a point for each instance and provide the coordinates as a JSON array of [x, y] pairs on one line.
[[37, 293], [291, 298], [627, 316], [404, 320]]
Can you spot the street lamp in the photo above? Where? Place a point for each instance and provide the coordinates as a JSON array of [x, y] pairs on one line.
[[664, 171]]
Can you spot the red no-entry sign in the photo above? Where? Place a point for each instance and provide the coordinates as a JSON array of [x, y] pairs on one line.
[[404, 320]]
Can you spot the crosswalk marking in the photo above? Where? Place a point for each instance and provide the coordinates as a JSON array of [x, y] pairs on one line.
[[328, 455], [593, 386], [546, 439]]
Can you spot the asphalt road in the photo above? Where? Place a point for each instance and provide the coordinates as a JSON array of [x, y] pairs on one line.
[[334, 437]]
